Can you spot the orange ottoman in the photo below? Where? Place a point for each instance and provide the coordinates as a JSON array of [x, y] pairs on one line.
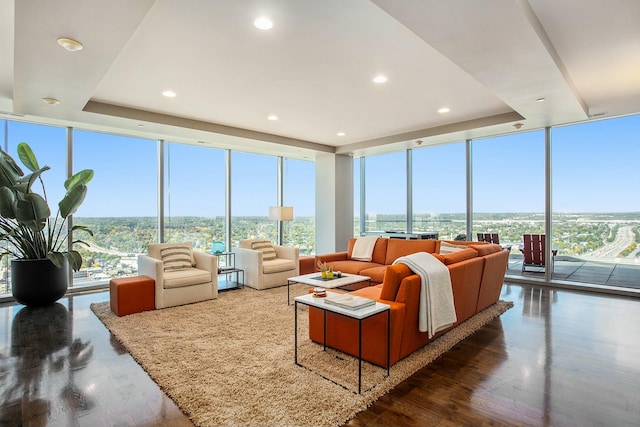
[[132, 294], [307, 264]]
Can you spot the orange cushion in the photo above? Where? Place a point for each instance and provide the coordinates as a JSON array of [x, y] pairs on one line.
[[459, 256], [376, 273], [439, 257], [400, 247], [486, 249], [379, 250], [393, 276]]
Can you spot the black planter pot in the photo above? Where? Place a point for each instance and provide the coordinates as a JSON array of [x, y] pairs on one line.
[[38, 282]]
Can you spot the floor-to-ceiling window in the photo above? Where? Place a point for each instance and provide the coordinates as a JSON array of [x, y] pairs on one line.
[[254, 187], [439, 189], [386, 192], [194, 195], [596, 201], [49, 146], [299, 184], [121, 204], [4, 262], [509, 186], [357, 162]]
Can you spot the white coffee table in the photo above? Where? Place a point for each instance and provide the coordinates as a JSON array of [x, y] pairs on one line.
[[359, 314], [316, 280]]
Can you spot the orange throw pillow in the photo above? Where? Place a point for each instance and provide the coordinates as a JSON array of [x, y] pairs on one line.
[[393, 276]]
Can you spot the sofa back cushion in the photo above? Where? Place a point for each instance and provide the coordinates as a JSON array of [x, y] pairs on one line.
[[458, 256], [400, 247], [393, 276], [486, 249], [379, 250]]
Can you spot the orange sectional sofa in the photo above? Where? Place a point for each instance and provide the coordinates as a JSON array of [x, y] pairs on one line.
[[477, 274], [385, 252]]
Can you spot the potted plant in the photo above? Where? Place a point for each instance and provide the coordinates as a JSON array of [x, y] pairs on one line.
[[34, 239]]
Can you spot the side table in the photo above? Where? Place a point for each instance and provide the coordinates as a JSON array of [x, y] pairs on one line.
[[226, 268], [359, 314]]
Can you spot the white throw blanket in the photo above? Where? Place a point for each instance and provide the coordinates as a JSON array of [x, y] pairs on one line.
[[436, 310], [363, 248]]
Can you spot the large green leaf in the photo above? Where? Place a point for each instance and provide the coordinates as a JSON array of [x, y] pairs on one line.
[[7, 203], [9, 170], [82, 228], [27, 157], [33, 211], [72, 200], [24, 184], [75, 260], [57, 258], [82, 177]]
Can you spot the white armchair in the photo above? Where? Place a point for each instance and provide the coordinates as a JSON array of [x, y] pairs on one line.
[[266, 265], [182, 276]]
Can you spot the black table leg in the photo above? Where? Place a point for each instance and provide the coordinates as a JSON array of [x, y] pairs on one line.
[[360, 356], [295, 339]]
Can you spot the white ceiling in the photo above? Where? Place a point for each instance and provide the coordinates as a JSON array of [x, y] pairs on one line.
[[486, 60]]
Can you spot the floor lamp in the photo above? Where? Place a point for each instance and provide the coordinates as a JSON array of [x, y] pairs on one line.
[[280, 214]]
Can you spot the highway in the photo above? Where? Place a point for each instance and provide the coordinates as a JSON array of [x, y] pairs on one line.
[[623, 239]]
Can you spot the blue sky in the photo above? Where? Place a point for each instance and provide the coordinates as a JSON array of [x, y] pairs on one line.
[[594, 170]]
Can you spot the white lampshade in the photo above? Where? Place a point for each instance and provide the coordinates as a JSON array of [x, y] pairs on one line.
[[281, 213]]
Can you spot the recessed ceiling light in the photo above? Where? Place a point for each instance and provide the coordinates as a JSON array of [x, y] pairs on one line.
[[50, 101], [541, 99], [140, 125], [443, 110], [169, 94], [380, 79], [272, 117], [517, 125], [70, 44], [341, 134], [263, 23]]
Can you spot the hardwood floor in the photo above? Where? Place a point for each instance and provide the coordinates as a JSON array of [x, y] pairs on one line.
[[558, 358]]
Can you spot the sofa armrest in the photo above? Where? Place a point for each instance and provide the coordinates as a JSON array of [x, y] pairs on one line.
[[149, 266], [208, 262], [250, 261], [152, 267], [337, 256], [287, 252]]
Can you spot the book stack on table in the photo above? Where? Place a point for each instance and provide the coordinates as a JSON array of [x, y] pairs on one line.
[[352, 302]]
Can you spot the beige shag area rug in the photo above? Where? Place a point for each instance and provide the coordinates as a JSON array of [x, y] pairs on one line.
[[230, 361]]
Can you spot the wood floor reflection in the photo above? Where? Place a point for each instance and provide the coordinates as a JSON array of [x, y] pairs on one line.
[[558, 358]]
